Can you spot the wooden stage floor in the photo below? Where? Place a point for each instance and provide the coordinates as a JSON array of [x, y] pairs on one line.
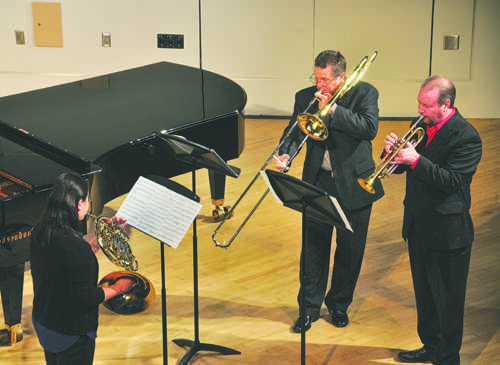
[[247, 292]]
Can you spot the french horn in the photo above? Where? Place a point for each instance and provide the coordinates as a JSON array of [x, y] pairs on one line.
[[113, 240]]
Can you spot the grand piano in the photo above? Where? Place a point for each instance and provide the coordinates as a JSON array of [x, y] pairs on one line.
[[104, 128]]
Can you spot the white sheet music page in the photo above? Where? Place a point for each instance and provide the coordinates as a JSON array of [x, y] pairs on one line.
[[268, 183], [158, 211], [341, 213]]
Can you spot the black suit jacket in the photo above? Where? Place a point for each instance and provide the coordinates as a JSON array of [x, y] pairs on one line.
[[438, 199], [351, 127]]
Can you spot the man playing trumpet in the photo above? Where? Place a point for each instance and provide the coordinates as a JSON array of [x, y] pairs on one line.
[[437, 224]]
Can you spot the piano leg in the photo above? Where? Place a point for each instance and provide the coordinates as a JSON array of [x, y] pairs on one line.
[[217, 190], [11, 290]]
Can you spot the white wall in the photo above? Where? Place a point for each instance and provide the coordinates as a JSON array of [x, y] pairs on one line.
[[268, 46]]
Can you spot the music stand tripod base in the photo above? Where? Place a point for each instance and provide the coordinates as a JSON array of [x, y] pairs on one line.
[[198, 346]]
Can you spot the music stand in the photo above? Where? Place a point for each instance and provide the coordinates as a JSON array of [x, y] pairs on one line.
[[170, 197], [197, 156], [313, 203]]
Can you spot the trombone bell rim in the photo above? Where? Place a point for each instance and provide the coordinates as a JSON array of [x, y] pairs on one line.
[[312, 126]]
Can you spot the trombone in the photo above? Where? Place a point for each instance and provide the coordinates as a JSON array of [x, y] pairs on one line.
[[312, 126], [385, 167]]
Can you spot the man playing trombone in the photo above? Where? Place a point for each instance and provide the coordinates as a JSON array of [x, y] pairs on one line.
[[334, 165]]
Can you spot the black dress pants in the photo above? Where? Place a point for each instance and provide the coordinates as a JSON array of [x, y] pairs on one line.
[[439, 281], [348, 258]]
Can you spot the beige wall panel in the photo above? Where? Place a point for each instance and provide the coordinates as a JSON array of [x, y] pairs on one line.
[[47, 24], [400, 31], [478, 97], [265, 46], [453, 17]]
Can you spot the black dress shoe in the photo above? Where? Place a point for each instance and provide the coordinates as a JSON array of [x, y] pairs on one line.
[[339, 317], [307, 323], [5, 337], [419, 355]]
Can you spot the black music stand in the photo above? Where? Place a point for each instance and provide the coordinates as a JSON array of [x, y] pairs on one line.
[[313, 203], [134, 207], [197, 156]]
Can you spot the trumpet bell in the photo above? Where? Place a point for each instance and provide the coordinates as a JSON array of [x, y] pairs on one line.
[[367, 184], [312, 126], [136, 300]]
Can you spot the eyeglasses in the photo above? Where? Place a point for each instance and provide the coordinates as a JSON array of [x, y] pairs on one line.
[[316, 81]]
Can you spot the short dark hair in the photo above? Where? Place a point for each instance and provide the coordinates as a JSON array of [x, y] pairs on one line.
[[446, 88], [331, 58]]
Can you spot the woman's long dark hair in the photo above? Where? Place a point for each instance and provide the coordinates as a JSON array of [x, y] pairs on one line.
[[62, 209]]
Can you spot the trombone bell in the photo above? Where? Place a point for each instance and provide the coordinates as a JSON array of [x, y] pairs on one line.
[[312, 126]]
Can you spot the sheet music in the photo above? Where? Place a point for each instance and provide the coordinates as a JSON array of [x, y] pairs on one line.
[[268, 183], [341, 213], [158, 211]]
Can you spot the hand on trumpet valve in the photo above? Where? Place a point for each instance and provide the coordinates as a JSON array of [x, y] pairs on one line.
[[280, 162], [390, 142], [406, 155]]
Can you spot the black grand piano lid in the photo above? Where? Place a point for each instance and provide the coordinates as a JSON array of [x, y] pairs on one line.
[[87, 118]]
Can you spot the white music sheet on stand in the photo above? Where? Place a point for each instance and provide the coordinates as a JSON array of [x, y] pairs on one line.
[[158, 211]]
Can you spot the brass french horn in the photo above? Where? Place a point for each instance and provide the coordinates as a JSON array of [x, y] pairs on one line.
[[113, 240]]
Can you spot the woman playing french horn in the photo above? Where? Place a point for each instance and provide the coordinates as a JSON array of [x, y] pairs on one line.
[[65, 273]]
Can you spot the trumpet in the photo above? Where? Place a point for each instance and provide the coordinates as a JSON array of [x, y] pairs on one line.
[[385, 167], [313, 127]]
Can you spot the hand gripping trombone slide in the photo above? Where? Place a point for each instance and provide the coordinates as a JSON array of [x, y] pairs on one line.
[[313, 127]]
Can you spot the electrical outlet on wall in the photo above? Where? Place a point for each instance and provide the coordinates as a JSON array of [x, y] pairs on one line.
[[106, 39], [20, 37]]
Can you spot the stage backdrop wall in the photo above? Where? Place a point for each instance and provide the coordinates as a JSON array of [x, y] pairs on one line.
[[266, 46]]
